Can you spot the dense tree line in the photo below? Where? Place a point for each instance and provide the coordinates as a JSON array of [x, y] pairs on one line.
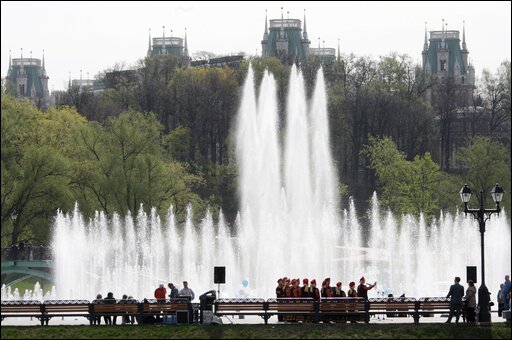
[[163, 134]]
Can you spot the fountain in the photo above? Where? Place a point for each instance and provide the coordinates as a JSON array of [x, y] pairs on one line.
[[288, 225]]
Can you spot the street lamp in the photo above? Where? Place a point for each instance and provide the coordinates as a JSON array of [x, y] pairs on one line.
[[482, 215]]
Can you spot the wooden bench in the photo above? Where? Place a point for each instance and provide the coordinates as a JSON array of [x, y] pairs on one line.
[[343, 309], [240, 307], [99, 308], [62, 308], [152, 307], [434, 305], [394, 307], [172, 306], [292, 309], [29, 308]]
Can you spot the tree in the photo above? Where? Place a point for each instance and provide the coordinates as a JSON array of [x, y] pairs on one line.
[[122, 166], [35, 168], [407, 186], [486, 163]]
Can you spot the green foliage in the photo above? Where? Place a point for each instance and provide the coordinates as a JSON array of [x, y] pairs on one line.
[[486, 163], [50, 160], [123, 166], [34, 168], [407, 186]]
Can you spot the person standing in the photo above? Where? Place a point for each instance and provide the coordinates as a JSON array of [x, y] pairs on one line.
[[173, 291], [305, 292], [315, 292], [471, 301], [160, 293], [362, 289], [352, 292], [505, 291], [338, 292], [187, 292], [501, 303], [456, 293]]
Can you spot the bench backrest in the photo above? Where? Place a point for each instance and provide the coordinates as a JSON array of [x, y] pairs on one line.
[[29, 307], [157, 308], [235, 305], [393, 304], [63, 307], [435, 303], [126, 308], [342, 304], [291, 304]]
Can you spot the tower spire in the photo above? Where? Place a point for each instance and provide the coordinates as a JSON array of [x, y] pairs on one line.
[[443, 43], [149, 43], [69, 81], [464, 47], [265, 34], [22, 68], [282, 23], [9, 59], [186, 44], [164, 49], [319, 44], [305, 33], [339, 58], [425, 44], [44, 68]]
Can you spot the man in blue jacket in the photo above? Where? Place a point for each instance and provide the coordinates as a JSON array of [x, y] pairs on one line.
[[456, 292]]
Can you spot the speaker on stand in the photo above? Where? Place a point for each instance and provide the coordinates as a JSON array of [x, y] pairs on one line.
[[471, 273], [219, 277]]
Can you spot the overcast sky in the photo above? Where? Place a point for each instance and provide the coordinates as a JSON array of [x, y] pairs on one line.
[[93, 36]]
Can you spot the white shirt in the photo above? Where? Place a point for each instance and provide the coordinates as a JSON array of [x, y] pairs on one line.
[[187, 292]]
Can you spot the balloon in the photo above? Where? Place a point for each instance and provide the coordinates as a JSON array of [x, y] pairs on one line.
[[245, 283]]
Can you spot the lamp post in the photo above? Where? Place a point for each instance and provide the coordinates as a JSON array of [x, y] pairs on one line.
[[482, 215]]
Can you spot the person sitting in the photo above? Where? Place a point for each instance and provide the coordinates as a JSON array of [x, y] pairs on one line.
[[97, 320], [110, 299]]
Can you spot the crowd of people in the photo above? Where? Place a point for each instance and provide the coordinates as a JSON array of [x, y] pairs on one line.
[[291, 288], [160, 295]]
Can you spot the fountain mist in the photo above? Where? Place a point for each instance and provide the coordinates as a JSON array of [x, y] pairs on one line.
[[289, 224]]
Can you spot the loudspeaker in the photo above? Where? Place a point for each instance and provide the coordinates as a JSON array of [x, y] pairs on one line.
[[182, 316], [471, 273], [219, 274]]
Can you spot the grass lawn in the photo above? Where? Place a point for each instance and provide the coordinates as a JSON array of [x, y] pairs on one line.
[[298, 331]]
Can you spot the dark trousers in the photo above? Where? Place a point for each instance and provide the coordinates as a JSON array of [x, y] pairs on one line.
[[454, 309], [501, 306], [471, 315]]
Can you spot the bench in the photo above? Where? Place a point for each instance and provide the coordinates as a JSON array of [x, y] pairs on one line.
[[292, 309], [52, 308], [353, 309], [395, 307], [172, 306], [240, 307], [28, 308], [434, 305]]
